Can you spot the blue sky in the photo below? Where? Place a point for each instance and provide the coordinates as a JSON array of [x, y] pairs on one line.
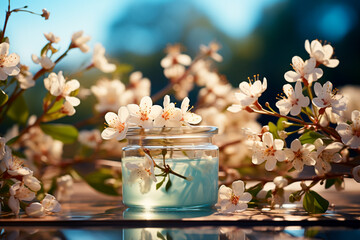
[[235, 18]]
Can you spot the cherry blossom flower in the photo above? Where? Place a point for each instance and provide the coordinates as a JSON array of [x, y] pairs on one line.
[[325, 155], [50, 204], [13, 165], [109, 95], [326, 97], [32, 182], [212, 51], [45, 14], [8, 64], [143, 115], [350, 133], [170, 116], [294, 102], [280, 182], [174, 62], [58, 87], [117, 123], [214, 89], [64, 187], [300, 154], [303, 70], [233, 199], [35, 209], [356, 173], [187, 116], [51, 37], [18, 192], [142, 173], [322, 53], [249, 93], [40, 147], [100, 61], [139, 86], [90, 138], [268, 150], [79, 41], [44, 61], [25, 78]]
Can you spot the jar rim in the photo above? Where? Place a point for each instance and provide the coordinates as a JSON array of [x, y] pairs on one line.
[[211, 130]]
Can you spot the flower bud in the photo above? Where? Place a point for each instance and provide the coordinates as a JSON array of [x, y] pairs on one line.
[[35, 210], [280, 182], [282, 134], [45, 14]]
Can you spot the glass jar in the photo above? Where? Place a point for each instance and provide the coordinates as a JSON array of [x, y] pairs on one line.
[[174, 168]]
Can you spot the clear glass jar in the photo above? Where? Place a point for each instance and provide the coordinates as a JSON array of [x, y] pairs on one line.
[[185, 168]]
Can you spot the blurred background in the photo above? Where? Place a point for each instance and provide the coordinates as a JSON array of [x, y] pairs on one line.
[[257, 37]]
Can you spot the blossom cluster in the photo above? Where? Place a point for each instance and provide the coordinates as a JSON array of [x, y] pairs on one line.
[[314, 110], [146, 115], [23, 186]]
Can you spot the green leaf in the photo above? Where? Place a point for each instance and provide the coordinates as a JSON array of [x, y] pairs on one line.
[[19, 111], [311, 232], [314, 203], [254, 190], [280, 125], [168, 184], [329, 182], [310, 137], [12, 141], [159, 184], [62, 132], [97, 181], [273, 130], [3, 97]]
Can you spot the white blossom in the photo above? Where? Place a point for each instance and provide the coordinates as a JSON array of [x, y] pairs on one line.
[[269, 150], [79, 41], [300, 154], [142, 173], [35, 209], [51, 37], [143, 115], [174, 62], [322, 53], [18, 192], [32, 182], [57, 86], [8, 64], [303, 70], [187, 116], [25, 78], [350, 133], [170, 116], [100, 61], [212, 51], [90, 138], [280, 182], [325, 155], [139, 86], [233, 199], [249, 93], [326, 97], [294, 100], [64, 187], [44, 61], [118, 124], [109, 95], [50, 204]]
